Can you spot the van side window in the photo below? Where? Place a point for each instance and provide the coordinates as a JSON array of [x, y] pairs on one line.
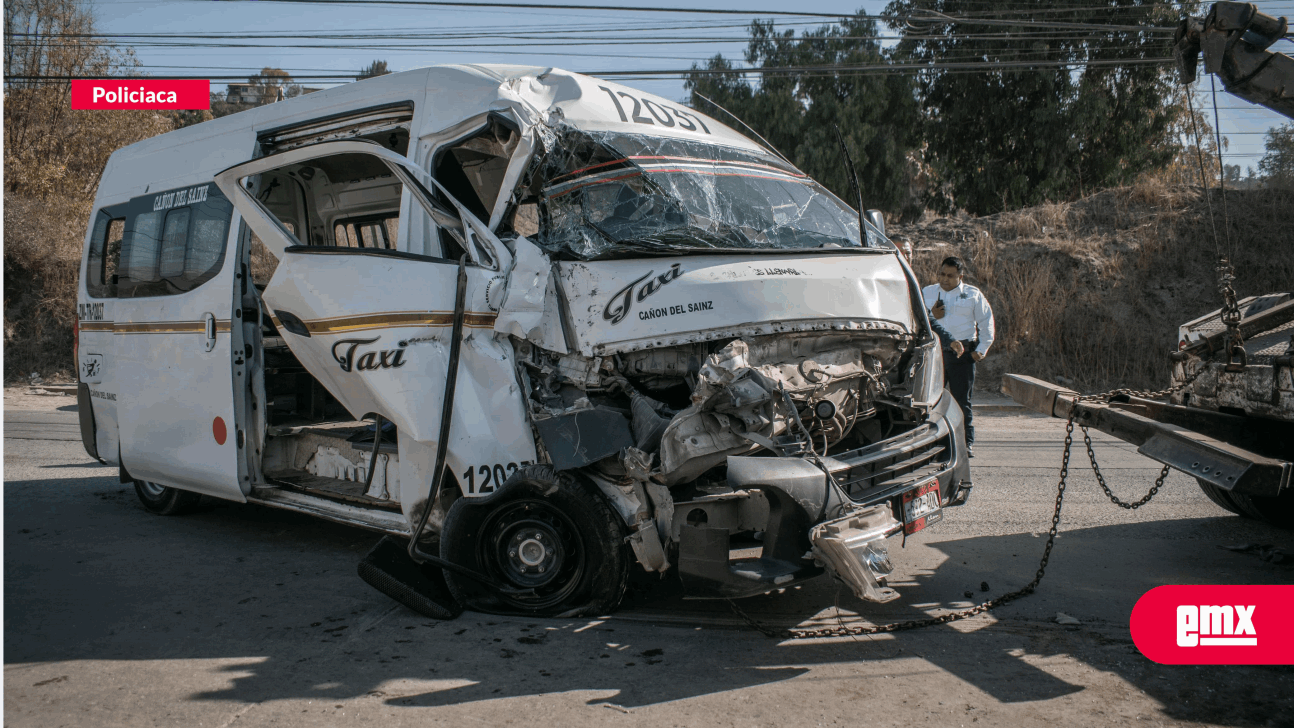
[[105, 250], [140, 249], [175, 236], [348, 200], [173, 241], [367, 232]]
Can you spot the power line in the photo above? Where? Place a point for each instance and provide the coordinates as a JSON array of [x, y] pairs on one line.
[[552, 6], [673, 73]]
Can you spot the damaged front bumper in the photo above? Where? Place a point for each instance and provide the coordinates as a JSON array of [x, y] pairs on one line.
[[811, 524]]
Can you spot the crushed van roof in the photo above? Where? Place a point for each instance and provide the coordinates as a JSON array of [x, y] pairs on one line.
[[538, 95]]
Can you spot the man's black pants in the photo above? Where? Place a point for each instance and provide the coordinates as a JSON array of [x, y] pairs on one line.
[[959, 374]]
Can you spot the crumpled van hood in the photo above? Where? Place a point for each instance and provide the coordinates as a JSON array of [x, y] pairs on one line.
[[626, 305]]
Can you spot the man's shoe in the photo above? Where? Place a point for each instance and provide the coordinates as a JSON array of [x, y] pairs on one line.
[[970, 451]]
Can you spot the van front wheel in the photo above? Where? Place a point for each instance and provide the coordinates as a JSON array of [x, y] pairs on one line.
[[545, 532], [164, 500]]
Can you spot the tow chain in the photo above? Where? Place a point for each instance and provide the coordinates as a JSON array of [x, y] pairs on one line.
[[842, 631], [1231, 315]]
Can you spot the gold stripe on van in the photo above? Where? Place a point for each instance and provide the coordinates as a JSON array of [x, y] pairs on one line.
[[393, 320], [170, 327], [85, 326]]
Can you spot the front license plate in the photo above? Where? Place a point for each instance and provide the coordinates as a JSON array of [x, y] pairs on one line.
[[921, 507]]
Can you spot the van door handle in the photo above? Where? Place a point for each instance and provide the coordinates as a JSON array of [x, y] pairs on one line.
[[210, 322]]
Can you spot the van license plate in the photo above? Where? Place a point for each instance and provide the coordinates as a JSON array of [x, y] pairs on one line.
[[921, 506]]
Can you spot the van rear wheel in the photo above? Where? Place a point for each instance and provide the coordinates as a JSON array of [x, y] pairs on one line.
[[1219, 496], [1277, 510], [165, 500], [542, 531]]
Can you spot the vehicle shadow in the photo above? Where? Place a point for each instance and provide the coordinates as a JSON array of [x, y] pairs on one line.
[[89, 575]]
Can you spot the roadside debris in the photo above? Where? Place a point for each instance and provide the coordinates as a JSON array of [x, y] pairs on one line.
[[1265, 551]]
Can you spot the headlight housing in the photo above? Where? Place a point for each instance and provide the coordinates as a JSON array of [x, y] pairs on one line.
[[928, 377]]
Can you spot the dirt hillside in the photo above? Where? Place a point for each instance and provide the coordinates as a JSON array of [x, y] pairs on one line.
[[1090, 293]]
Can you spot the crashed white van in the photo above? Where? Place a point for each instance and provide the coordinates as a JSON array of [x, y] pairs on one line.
[[546, 324]]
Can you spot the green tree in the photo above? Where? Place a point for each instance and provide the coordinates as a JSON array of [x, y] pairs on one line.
[[266, 87], [374, 69], [1277, 164], [1077, 104], [273, 84], [1194, 145], [797, 110]]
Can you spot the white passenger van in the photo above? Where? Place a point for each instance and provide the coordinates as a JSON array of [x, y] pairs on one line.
[[547, 324]]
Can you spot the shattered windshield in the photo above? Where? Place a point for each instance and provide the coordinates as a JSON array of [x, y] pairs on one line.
[[607, 195]]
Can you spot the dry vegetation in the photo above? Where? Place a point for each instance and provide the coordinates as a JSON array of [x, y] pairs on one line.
[[1091, 293], [53, 157], [47, 206]]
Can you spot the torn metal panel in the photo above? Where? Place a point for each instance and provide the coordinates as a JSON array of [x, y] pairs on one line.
[[576, 439], [853, 550], [529, 308]]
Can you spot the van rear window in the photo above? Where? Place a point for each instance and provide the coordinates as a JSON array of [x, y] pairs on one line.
[[171, 242]]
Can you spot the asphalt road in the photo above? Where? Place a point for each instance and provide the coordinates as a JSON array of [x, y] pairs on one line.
[[246, 616]]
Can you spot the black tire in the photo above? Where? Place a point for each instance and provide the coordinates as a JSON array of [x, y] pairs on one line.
[[164, 500], [1220, 497], [1276, 510], [545, 531]]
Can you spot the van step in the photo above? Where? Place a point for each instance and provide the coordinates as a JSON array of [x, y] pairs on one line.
[[340, 430], [357, 434], [375, 519], [348, 491]]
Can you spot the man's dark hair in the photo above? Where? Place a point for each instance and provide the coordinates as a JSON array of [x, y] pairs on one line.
[[953, 261]]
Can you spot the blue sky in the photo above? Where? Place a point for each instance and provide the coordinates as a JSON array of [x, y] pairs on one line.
[[1242, 123]]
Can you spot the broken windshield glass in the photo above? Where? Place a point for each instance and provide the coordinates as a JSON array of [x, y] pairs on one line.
[[607, 195]]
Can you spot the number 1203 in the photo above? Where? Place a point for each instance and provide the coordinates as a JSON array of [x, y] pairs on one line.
[[491, 476]]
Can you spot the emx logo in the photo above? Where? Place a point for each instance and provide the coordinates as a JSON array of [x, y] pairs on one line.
[[1215, 625], [1210, 625]]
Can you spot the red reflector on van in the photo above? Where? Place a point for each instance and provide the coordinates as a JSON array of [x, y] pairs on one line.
[[76, 347]]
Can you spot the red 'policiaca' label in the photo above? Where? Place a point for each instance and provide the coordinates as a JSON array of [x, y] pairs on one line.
[[1213, 624], [141, 93]]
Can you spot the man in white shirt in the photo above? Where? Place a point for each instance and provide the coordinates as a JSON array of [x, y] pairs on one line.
[[964, 324]]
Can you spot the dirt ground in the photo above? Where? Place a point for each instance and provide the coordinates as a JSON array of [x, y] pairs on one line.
[[30, 398]]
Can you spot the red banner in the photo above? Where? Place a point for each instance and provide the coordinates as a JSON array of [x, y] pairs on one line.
[[141, 94], [1213, 624]]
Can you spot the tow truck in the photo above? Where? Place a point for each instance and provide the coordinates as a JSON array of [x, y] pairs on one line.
[[1229, 416]]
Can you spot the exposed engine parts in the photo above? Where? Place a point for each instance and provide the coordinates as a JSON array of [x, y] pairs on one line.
[[688, 408]]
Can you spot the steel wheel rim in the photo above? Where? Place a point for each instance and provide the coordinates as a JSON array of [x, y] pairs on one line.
[[530, 544]]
